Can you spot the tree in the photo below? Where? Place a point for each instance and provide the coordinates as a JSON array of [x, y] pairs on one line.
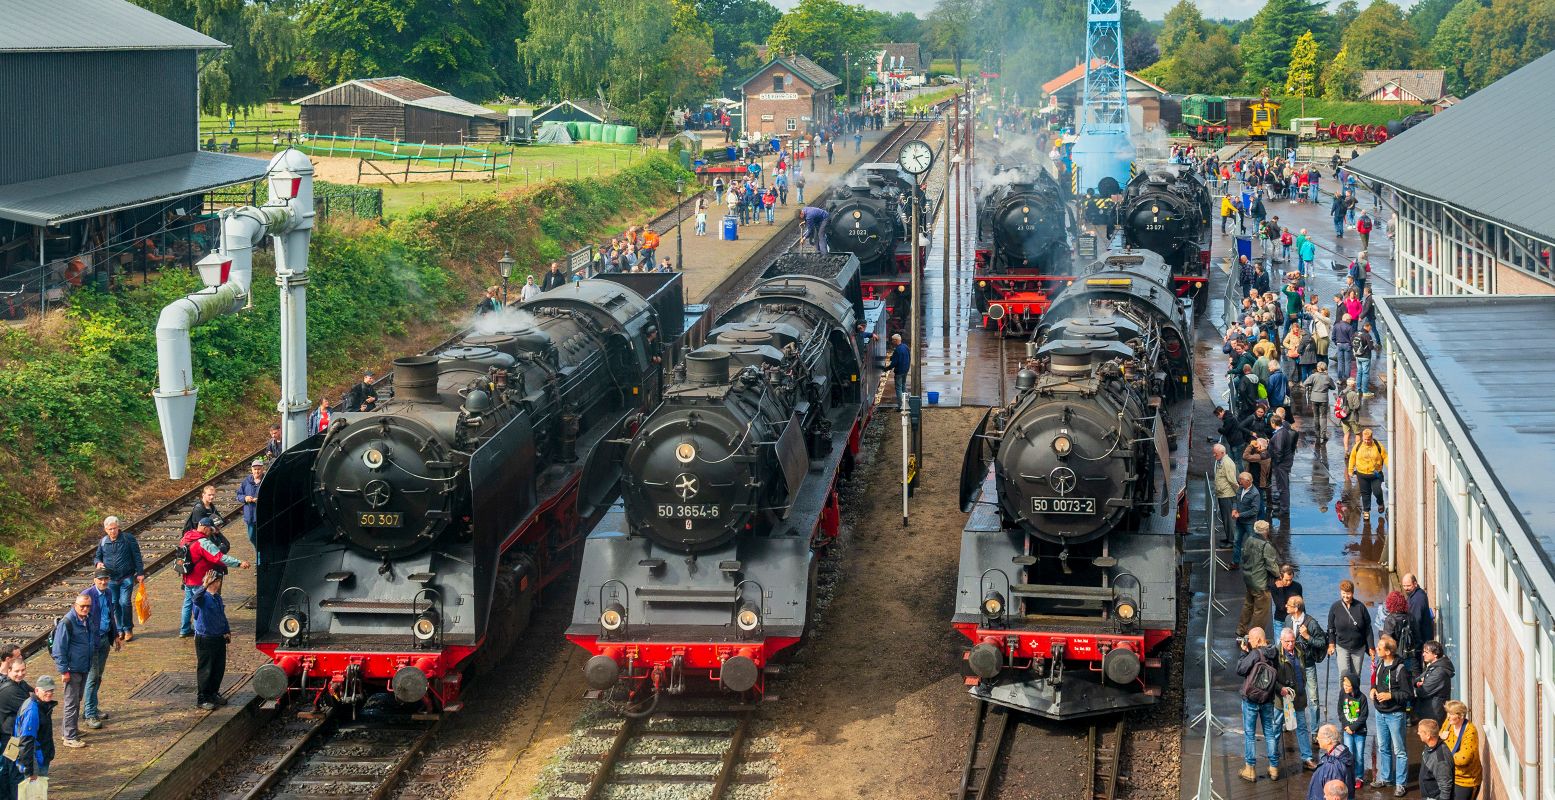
[[1380, 38], [1344, 14], [1205, 66], [1449, 48], [1342, 79], [1183, 21], [1301, 76], [1139, 50], [263, 40], [565, 51], [950, 29], [1266, 48], [736, 23], [1507, 35], [1426, 15], [823, 30]]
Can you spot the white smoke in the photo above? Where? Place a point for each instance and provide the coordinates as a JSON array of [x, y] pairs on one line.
[[506, 319]]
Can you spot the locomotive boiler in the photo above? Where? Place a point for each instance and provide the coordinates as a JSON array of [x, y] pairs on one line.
[[1024, 253], [1067, 582], [866, 219], [703, 571], [1166, 209], [404, 544]]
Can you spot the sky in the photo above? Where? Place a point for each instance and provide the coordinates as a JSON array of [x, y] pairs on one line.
[[1152, 9]]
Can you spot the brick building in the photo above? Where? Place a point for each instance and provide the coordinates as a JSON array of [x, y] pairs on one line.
[[790, 95], [1469, 412]]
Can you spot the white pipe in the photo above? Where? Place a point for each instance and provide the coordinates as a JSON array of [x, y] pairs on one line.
[[1528, 751], [288, 216]]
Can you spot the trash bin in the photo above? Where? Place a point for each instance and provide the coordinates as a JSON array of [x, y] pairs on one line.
[[1244, 247], [731, 229]]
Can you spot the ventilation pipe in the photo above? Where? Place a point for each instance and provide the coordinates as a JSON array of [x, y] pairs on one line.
[[228, 276]]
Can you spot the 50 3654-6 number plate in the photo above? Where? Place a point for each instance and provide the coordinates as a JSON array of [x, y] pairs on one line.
[[1063, 505], [689, 511], [377, 519]]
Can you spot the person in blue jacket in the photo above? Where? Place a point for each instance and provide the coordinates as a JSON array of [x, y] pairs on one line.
[[248, 495], [75, 643], [104, 623], [119, 553], [211, 635], [34, 732]]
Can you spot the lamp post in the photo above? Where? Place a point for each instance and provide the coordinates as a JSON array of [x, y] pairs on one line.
[[505, 266], [680, 253]]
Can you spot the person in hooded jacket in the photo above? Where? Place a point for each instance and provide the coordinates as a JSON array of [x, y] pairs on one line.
[[1390, 691], [1353, 708], [1433, 686], [204, 556], [1335, 762]]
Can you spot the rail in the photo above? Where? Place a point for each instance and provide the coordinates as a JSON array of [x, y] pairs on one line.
[[323, 756], [1106, 759], [699, 762], [982, 753], [1206, 781]]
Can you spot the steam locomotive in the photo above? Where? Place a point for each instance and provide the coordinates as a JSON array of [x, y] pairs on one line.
[[1067, 582], [870, 216], [1024, 244], [404, 545], [704, 570], [1167, 209]]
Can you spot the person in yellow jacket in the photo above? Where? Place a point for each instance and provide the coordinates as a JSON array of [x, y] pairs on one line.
[[1462, 740], [1228, 212], [1367, 461]]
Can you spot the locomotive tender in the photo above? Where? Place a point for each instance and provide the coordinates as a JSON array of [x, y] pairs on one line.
[[705, 568], [1166, 209], [403, 541], [1067, 582]]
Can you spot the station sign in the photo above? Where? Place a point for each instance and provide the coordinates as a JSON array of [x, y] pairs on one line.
[[778, 96]]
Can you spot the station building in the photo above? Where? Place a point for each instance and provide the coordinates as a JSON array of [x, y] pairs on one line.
[[102, 174], [1471, 408], [1144, 98], [790, 95]]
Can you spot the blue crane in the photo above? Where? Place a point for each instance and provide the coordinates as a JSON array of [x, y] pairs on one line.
[[1104, 153]]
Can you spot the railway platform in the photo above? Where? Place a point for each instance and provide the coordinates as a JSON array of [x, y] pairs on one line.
[[1324, 538], [156, 742]]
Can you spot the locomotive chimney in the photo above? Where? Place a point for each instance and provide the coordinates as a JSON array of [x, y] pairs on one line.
[[707, 366], [415, 378], [1066, 359]]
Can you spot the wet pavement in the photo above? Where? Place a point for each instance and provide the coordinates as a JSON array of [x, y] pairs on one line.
[[1323, 535]]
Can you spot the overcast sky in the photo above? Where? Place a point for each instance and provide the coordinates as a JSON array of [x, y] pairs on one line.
[[1152, 9]]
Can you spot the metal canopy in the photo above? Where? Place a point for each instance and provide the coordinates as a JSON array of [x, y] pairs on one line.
[[64, 198], [54, 25]]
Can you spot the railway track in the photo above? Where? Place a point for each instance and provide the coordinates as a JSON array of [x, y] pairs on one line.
[[990, 729], [1106, 758], [324, 758], [682, 748]]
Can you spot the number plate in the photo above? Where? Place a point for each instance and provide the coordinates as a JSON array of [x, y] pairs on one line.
[[377, 519], [692, 511], [1063, 505]]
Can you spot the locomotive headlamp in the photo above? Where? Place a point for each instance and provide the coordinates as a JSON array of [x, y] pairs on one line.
[[613, 618], [1062, 444], [685, 452], [426, 625], [1025, 209], [373, 458], [748, 619], [993, 604], [293, 624], [1125, 610], [857, 214]]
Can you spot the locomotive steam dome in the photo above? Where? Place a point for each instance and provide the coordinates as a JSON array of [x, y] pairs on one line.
[[691, 484], [1065, 464], [861, 225]]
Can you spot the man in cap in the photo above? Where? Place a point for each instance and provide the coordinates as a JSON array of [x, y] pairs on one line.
[[34, 734], [103, 621], [211, 635], [248, 495], [205, 555], [362, 396]]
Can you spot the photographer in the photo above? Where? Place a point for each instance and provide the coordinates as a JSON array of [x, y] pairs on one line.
[[1260, 687]]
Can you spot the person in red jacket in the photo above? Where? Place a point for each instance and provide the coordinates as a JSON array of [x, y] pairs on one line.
[[204, 555]]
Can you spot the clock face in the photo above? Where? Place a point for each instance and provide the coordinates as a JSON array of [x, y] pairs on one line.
[[916, 157]]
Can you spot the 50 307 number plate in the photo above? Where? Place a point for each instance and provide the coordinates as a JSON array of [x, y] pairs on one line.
[[377, 519], [1063, 505], [689, 511]]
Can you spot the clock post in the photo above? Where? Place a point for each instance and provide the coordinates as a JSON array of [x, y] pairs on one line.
[[917, 158]]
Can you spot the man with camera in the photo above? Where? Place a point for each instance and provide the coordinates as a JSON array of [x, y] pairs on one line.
[[1259, 670]]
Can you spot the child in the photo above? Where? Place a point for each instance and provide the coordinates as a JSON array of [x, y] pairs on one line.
[[1352, 717], [1286, 240], [701, 218]]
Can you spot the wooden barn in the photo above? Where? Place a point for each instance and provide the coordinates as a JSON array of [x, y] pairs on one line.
[[576, 111], [397, 109]]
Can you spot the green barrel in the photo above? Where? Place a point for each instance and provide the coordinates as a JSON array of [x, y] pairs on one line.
[[596, 130], [607, 132], [575, 130], [626, 134]]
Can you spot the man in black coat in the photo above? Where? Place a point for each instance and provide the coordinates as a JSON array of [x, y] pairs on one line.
[[1231, 432], [1436, 767], [1349, 630], [554, 278], [1256, 423], [362, 397], [1282, 452], [1433, 686]]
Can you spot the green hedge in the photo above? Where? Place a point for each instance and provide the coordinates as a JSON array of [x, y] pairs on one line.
[[1344, 112]]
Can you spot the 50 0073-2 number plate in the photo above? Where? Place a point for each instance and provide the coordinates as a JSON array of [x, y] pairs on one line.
[[693, 511], [375, 519], [1063, 505]]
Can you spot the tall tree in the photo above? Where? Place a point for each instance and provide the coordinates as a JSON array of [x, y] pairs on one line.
[[1266, 47], [1342, 79], [1449, 48], [263, 39], [1208, 66], [1380, 38], [1426, 15], [1507, 35], [565, 50], [950, 29], [823, 30], [1344, 14], [736, 23], [1301, 75], [1182, 22], [1139, 50]]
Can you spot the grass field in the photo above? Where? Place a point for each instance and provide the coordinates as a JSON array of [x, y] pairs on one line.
[[531, 165], [948, 66], [1343, 111], [271, 115]]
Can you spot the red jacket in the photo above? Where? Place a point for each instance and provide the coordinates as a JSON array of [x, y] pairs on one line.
[[203, 560]]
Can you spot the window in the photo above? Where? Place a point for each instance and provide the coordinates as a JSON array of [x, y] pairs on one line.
[[777, 82], [793, 124]]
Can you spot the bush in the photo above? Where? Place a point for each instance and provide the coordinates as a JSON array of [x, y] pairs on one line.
[[1344, 112]]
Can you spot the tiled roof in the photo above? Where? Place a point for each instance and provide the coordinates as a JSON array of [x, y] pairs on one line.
[[1424, 84], [413, 93]]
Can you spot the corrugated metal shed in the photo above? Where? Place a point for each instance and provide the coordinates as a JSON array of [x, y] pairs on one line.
[[1494, 397], [1475, 156], [397, 91], [54, 25], [51, 201]]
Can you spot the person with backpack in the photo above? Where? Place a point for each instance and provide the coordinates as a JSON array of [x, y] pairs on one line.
[[1353, 708], [1312, 647], [119, 553], [105, 625], [73, 644], [1260, 686], [34, 734], [1363, 226], [1259, 568], [1366, 463], [196, 555], [1347, 409], [206, 507], [1391, 688], [1397, 625], [1364, 347]]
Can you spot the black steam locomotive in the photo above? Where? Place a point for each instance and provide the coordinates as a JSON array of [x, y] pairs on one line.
[[870, 216], [1025, 248], [704, 570], [403, 542], [1067, 587], [1167, 209]]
